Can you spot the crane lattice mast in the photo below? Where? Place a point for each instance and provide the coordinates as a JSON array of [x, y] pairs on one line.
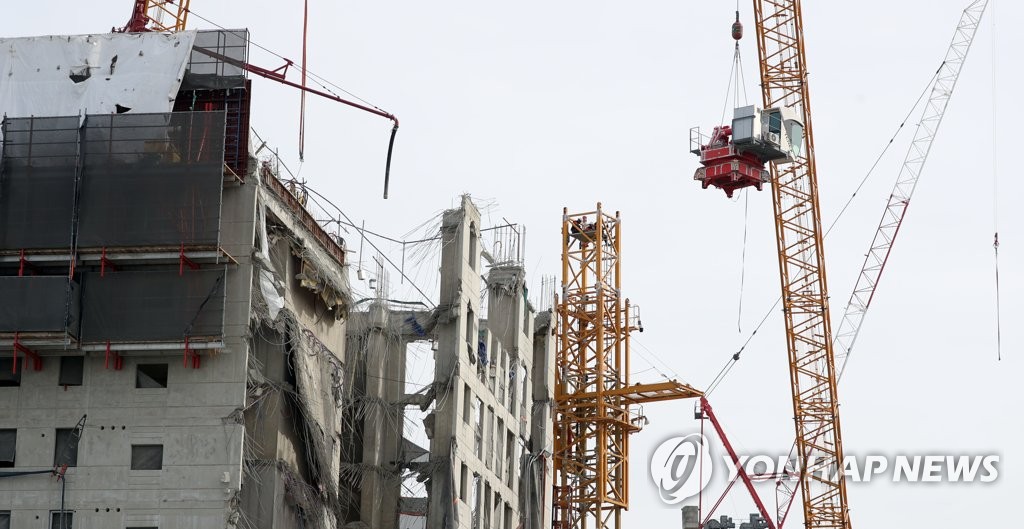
[[783, 68], [594, 398], [158, 15]]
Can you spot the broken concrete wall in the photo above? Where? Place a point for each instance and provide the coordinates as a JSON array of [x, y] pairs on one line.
[[376, 456], [540, 466], [297, 372], [486, 459]]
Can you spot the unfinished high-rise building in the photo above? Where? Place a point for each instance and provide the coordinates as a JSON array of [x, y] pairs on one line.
[[179, 343], [489, 424]]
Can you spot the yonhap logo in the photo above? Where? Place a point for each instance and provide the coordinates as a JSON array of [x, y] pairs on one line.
[[681, 467]]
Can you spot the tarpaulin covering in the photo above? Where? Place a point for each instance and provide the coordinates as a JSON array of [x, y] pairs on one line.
[[38, 304], [94, 74], [153, 306]]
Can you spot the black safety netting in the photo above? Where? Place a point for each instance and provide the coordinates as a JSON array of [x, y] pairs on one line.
[[38, 304], [153, 306], [37, 182], [152, 180], [130, 180]]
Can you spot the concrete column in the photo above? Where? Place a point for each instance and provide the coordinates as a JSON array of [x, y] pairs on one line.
[[459, 293], [382, 428]]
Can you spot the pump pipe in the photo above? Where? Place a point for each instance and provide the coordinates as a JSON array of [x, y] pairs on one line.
[[280, 77]]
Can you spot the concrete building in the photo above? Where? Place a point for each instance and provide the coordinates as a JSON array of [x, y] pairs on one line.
[[494, 389], [179, 346], [488, 462]]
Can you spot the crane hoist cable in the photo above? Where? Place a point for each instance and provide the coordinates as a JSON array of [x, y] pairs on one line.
[[738, 82], [736, 79], [743, 260], [302, 96], [995, 186]]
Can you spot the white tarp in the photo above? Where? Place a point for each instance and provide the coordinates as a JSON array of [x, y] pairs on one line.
[[138, 71]]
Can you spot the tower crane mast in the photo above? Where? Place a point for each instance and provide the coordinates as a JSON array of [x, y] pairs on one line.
[[158, 15], [596, 403], [799, 236], [780, 135], [944, 82]]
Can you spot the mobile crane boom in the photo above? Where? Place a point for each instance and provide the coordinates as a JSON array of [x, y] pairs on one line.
[[896, 208]]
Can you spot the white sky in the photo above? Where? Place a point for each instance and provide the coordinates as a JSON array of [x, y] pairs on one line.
[[540, 105]]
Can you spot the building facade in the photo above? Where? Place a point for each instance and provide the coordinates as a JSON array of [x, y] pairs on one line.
[[179, 346]]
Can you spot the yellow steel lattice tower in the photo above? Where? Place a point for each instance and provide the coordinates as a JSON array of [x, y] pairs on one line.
[[595, 411], [783, 65], [158, 15]]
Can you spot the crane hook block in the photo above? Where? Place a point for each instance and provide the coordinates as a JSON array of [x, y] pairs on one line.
[[737, 28]]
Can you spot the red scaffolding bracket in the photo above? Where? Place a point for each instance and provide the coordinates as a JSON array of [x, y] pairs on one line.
[[24, 264], [104, 263], [37, 362], [191, 356], [184, 261], [58, 472], [112, 356]]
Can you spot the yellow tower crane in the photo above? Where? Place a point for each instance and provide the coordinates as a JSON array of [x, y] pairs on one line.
[[158, 15], [734, 156], [794, 188], [596, 405]]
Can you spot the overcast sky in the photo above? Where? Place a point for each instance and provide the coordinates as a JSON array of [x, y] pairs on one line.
[[532, 106]]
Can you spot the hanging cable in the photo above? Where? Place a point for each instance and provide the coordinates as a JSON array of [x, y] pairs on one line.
[[999, 318], [735, 84], [302, 96], [735, 70], [728, 92], [995, 189], [736, 75], [743, 261], [737, 61]]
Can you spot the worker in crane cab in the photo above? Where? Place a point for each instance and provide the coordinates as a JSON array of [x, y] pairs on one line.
[[735, 156]]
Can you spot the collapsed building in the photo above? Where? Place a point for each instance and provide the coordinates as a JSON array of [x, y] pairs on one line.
[[179, 343], [488, 463]]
